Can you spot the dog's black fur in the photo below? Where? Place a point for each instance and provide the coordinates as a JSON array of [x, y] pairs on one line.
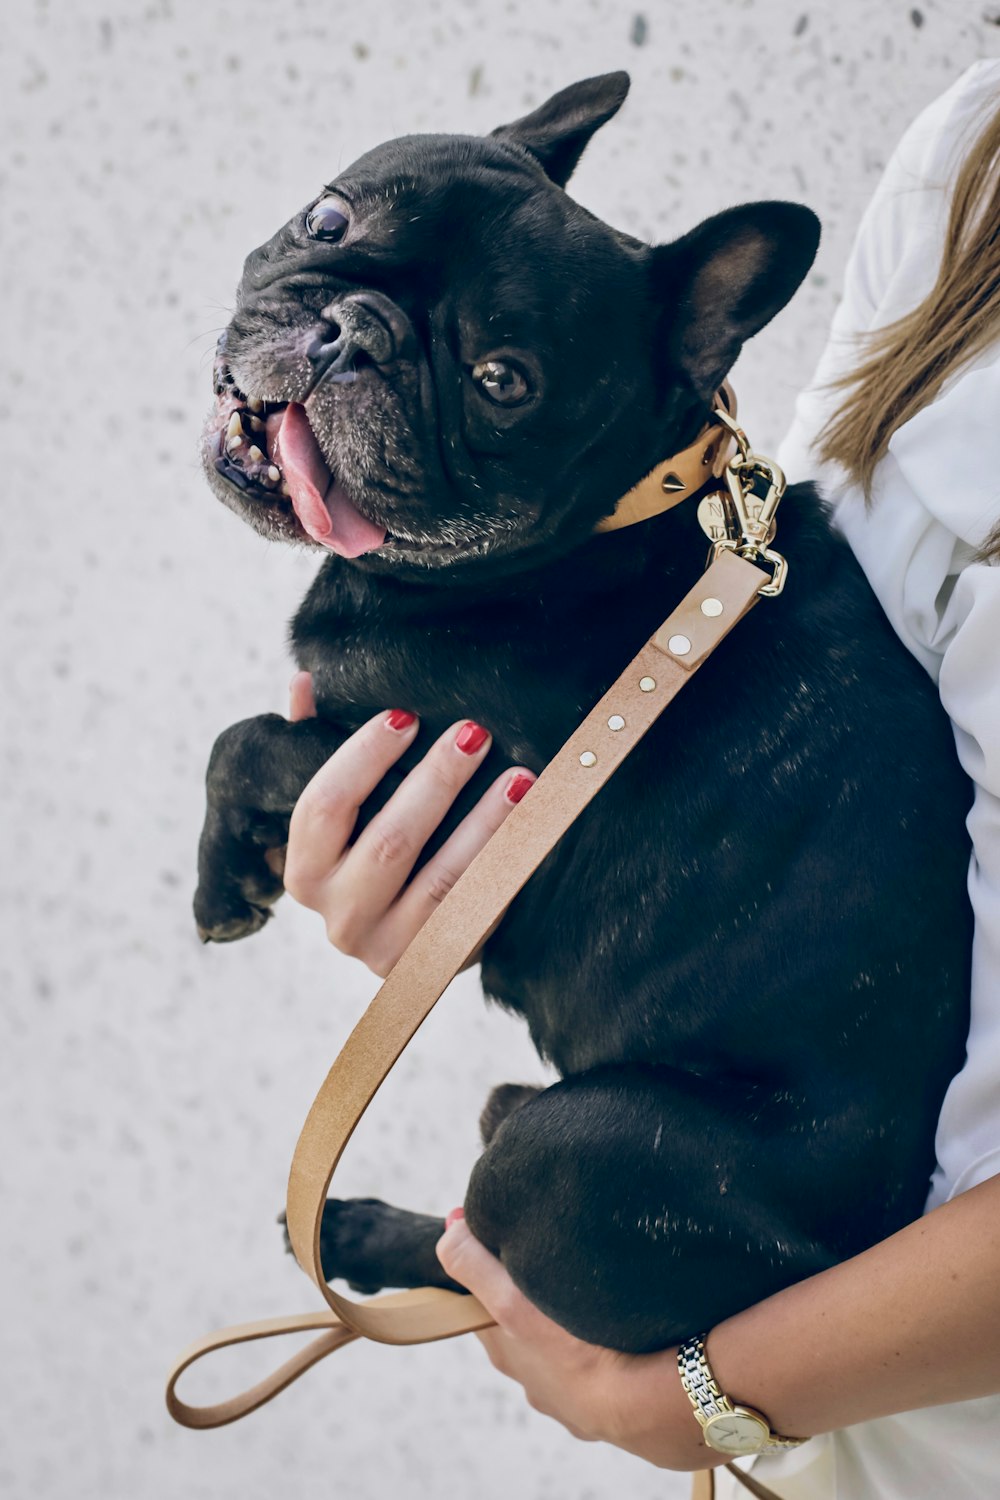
[[749, 957]]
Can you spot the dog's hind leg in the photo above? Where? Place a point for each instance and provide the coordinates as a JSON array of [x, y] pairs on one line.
[[371, 1245], [636, 1205], [633, 1205], [503, 1101]]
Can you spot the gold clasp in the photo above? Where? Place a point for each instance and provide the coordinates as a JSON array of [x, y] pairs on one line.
[[744, 520]]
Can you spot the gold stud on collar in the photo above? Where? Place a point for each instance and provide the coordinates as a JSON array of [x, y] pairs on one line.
[[681, 474], [588, 758], [616, 722], [647, 684], [679, 645]]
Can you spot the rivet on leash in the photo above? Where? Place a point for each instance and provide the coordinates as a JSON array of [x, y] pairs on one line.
[[711, 607], [679, 645], [616, 722], [588, 758], [647, 684]]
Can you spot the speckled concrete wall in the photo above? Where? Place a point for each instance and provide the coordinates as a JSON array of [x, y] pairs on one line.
[[152, 1089]]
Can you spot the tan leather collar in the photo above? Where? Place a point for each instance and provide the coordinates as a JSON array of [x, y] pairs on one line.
[[676, 478]]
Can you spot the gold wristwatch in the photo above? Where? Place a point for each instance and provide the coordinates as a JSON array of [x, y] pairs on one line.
[[733, 1430]]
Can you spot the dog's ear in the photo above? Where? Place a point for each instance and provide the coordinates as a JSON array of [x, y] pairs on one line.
[[718, 286], [558, 130]]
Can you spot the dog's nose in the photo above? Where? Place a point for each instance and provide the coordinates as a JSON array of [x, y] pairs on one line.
[[364, 325], [333, 355], [351, 333]]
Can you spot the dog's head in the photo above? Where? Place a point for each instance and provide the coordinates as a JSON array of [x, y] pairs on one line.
[[443, 359]]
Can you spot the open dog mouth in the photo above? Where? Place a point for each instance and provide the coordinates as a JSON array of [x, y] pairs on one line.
[[268, 450], [269, 453]]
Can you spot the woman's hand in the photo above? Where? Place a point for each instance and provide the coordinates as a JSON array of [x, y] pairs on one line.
[[635, 1402], [371, 907]]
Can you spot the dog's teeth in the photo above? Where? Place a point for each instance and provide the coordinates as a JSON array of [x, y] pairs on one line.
[[256, 425], [235, 428], [285, 490], [255, 405], [274, 473], [255, 454], [233, 444]]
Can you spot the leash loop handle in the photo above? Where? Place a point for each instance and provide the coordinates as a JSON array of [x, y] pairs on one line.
[[334, 1335]]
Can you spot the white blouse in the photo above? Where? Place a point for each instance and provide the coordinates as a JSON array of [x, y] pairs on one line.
[[936, 500]]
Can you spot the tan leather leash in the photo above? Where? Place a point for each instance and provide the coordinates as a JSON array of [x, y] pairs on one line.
[[703, 1484], [726, 592]]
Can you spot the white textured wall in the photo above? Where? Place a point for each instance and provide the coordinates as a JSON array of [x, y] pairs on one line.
[[152, 1089]]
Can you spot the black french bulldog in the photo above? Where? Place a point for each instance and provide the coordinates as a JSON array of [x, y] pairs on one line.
[[748, 959]]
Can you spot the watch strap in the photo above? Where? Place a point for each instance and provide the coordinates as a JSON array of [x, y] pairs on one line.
[[708, 1399]]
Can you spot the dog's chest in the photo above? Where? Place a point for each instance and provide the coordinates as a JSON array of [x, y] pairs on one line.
[[527, 667]]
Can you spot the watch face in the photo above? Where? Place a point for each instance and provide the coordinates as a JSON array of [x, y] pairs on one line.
[[736, 1432]]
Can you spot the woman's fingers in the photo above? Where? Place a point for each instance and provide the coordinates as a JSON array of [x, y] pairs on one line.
[[470, 1264], [327, 810], [302, 702], [434, 880], [302, 705], [385, 852], [361, 891]]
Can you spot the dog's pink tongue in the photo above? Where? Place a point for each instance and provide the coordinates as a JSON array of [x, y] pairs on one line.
[[321, 504]]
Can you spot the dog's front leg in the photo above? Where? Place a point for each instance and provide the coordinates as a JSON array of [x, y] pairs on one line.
[[256, 774]]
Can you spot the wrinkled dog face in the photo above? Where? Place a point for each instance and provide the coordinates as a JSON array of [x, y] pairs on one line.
[[443, 358]]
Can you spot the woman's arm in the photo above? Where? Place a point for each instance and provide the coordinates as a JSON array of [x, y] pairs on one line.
[[915, 1321]]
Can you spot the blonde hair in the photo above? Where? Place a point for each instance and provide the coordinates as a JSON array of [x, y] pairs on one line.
[[906, 363]]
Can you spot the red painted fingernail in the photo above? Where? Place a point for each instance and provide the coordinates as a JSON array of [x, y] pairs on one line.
[[471, 737], [400, 719], [456, 1213], [517, 786]]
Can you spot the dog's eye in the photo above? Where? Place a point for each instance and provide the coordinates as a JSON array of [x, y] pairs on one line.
[[326, 220], [501, 381]]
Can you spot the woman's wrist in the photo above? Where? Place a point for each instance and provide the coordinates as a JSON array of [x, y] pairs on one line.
[[650, 1415]]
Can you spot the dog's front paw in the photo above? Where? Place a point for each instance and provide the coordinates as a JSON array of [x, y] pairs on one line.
[[235, 912], [244, 923], [239, 903]]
